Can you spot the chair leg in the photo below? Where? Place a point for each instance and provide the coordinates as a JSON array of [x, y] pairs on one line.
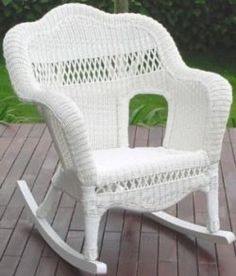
[[46, 205], [213, 223], [54, 240], [92, 222]]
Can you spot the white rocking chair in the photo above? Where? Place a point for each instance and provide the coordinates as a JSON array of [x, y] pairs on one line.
[[82, 66]]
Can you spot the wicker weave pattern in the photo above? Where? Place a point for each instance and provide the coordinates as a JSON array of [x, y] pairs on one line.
[[98, 69], [150, 180], [129, 169], [82, 67]]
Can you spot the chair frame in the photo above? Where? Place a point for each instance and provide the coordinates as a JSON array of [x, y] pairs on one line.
[[213, 93]]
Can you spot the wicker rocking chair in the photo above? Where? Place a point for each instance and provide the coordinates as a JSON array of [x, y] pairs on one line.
[[82, 66]]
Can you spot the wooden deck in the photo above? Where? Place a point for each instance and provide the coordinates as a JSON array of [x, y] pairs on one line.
[[129, 243]]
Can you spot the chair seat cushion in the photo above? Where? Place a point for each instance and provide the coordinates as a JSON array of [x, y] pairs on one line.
[[130, 168]]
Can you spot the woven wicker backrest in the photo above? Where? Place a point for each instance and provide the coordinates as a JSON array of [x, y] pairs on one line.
[[100, 61]]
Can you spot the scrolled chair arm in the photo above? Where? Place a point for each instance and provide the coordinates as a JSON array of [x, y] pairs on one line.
[[200, 104], [73, 126], [198, 101], [62, 107]]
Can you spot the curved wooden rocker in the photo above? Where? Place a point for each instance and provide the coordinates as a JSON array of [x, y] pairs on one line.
[[79, 261], [191, 229], [54, 241]]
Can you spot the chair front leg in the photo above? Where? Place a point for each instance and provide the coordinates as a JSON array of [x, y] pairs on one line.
[[213, 223], [92, 216], [91, 222]]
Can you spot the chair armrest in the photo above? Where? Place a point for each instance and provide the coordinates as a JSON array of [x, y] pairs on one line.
[[63, 108], [198, 110], [198, 101], [74, 131]]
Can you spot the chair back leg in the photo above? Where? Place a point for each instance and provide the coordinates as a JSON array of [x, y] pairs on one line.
[[213, 223], [46, 205]]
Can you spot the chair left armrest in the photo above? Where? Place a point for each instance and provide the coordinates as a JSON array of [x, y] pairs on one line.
[[199, 107]]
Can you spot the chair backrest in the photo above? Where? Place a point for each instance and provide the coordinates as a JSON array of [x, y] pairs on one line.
[[100, 61]]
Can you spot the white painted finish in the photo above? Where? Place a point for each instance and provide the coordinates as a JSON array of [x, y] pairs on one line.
[[55, 242], [191, 229]]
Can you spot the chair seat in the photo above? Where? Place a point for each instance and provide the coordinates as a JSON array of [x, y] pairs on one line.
[[121, 169]]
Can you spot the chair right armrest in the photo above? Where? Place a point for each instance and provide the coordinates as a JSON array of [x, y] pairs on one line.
[[74, 130]]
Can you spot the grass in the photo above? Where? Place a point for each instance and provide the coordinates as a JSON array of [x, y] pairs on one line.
[[144, 109], [11, 109]]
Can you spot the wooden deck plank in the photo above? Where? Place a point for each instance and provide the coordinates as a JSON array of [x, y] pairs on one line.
[[114, 227], [167, 252], [31, 173], [110, 251], [77, 223], [115, 220], [155, 137], [226, 260], [42, 183], [15, 173], [79, 235], [19, 238], [228, 164], [129, 250], [12, 152], [61, 226], [4, 238], [132, 132], [11, 130], [75, 239], [187, 245], [33, 168], [46, 267], [30, 259], [148, 254], [141, 137], [11, 214], [41, 186], [8, 265], [37, 130], [229, 174], [101, 233], [206, 251], [28, 237], [2, 129], [130, 244], [149, 238], [35, 245], [167, 247], [66, 269], [4, 144], [206, 269], [67, 201]]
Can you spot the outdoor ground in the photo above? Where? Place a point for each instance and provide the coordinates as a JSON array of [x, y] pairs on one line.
[[129, 243], [144, 109]]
